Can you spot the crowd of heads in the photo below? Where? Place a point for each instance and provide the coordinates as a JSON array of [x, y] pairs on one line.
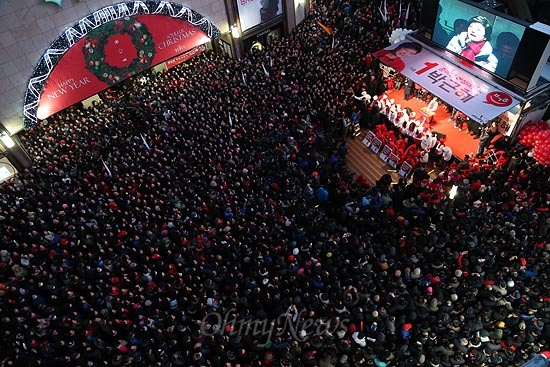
[[204, 216]]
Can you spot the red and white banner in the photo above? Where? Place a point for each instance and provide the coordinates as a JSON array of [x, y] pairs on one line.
[[185, 56], [461, 89], [113, 52]]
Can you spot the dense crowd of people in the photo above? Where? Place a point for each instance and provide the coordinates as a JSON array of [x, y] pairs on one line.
[[204, 216]]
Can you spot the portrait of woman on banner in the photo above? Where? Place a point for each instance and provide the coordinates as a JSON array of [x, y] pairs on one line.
[[394, 58]]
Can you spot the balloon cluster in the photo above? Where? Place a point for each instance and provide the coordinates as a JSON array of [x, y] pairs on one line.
[[536, 136], [398, 35]]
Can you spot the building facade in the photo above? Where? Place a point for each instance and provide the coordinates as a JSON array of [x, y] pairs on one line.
[[29, 27]]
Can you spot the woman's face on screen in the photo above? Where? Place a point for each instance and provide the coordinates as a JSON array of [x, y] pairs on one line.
[[476, 32]]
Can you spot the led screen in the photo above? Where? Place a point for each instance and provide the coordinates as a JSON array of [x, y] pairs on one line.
[[484, 38], [255, 12]]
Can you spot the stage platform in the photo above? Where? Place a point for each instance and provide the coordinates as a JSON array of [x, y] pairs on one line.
[[461, 142]]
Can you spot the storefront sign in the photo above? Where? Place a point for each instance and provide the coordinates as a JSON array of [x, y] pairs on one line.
[[185, 56], [461, 89]]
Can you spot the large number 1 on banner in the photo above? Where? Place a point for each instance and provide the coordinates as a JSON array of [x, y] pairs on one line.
[[429, 65]]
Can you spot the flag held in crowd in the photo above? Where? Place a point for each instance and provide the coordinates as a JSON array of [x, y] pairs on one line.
[[383, 14], [145, 142], [265, 70], [324, 28], [406, 15], [107, 168]]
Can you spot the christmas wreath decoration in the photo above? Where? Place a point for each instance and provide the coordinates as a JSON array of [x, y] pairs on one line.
[[118, 50]]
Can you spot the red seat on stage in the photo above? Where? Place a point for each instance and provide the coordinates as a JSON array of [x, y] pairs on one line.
[[380, 130], [389, 138]]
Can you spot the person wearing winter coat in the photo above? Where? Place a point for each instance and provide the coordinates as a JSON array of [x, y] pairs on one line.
[[474, 45]]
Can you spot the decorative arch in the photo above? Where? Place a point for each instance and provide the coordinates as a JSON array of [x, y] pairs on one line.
[[127, 24]]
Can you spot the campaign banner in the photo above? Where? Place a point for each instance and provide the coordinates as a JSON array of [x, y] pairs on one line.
[[393, 160], [369, 137], [376, 145], [405, 169], [460, 88], [254, 12], [385, 153], [113, 52]]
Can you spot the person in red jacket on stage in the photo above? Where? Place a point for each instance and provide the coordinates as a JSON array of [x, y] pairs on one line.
[[401, 145]]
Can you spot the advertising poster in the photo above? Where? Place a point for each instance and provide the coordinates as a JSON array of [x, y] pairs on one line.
[[113, 52], [254, 12]]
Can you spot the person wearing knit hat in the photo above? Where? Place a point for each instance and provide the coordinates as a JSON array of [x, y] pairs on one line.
[[323, 297], [5, 256], [406, 330], [484, 336], [269, 358], [359, 338]]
